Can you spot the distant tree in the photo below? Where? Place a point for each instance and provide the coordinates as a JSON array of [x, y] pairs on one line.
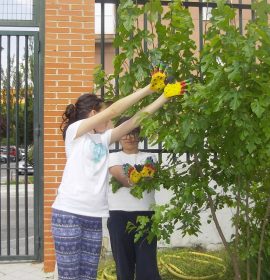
[[19, 85]]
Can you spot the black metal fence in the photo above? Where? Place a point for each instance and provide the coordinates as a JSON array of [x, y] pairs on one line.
[[19, 133], [202, 8], [20, 138]]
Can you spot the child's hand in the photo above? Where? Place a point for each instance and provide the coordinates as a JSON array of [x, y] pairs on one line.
[[158, 78], [178, 88], [133, 175]]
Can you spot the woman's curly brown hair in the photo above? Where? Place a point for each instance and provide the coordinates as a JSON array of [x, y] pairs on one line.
[[80, 110]]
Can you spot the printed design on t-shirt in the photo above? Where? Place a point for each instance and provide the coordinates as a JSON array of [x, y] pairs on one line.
[[98, 151]]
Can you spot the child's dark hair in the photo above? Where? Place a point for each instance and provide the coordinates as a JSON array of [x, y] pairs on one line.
[[135, 131], [80, 110]]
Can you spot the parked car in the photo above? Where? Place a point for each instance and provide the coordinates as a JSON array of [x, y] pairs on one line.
[[22, 152], [3, 158], [29, 169], [13, 153]]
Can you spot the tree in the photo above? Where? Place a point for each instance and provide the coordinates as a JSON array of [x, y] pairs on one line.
[[223, 123]]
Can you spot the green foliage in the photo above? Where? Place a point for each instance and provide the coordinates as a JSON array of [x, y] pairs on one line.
[[116, 185], [18, 118], [31, 155], [102, 79], [223, 122]]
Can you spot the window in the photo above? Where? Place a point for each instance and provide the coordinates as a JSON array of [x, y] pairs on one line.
[[16, 9]]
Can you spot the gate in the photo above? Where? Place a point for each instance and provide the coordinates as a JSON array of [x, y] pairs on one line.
[[20, 138]]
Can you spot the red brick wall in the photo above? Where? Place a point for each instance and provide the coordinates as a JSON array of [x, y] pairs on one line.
[[69, 63]]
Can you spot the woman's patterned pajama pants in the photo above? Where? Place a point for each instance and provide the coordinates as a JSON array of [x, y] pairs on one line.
[[77, 241]]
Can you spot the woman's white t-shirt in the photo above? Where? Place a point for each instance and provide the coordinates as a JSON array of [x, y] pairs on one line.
[[122, 199], [83, 189]]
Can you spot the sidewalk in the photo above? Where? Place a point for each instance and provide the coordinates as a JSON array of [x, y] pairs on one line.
[[24, 271], [27, 270]]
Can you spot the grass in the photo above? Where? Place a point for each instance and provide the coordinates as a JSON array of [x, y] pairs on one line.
[[22, 180], [190, 264]]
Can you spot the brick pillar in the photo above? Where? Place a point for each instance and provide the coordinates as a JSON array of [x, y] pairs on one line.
[[69, 63]]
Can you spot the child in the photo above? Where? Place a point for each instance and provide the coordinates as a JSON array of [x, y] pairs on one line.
[[131, 258], [81, 201]]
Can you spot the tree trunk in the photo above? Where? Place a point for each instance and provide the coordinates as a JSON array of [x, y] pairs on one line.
[[265, 222], [233, 257], [248, 235]]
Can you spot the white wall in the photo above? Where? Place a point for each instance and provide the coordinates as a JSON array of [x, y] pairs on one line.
[[208, 238]]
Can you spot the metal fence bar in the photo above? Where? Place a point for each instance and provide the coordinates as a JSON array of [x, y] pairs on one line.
[[116, 50], [253, 16], [8, 143], [26, 145], [116, 82], [102, 42], [240, 13], [200, 26], [145, 26], [17, 144], [38, 201], [1, 123]]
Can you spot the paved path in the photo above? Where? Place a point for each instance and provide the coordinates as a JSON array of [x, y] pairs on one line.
[[24, 271]]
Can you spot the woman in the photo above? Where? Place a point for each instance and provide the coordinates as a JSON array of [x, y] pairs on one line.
[[81, 201]]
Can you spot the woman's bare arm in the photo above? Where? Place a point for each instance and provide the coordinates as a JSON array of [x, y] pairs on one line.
[[113, 111], [133, 122]]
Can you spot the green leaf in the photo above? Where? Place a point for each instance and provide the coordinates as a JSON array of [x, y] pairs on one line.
[[153, 9], [191, 140], [257, 108], [116, 185], [235, 102], [251, 147], [140, 74]]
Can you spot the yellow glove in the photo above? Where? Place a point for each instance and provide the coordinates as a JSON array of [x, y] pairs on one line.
[[148, 168], [178, 88], [148, 171], [133, 175], [158, 78]]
